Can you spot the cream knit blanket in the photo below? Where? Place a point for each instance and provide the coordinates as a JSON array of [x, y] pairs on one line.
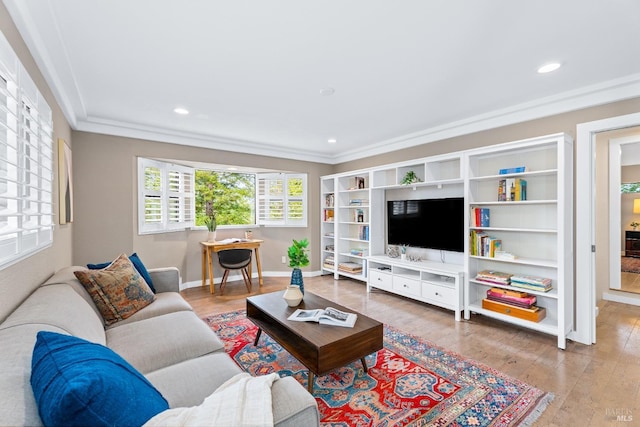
[[242, 400]]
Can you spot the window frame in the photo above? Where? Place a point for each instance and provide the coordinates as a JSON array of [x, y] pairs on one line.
[[264, 180], [162, 226], [184, 196], [26, 176]]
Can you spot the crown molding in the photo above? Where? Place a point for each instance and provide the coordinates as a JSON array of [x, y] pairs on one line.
[[151, 133], [589, 96]]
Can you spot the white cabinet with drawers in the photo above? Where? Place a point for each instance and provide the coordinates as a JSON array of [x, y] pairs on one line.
[[427, 281]]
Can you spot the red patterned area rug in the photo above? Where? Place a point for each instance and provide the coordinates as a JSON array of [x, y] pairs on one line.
[[410, 382], [630, 264]]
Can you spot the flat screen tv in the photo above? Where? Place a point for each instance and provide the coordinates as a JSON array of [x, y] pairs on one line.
[[427, 223]]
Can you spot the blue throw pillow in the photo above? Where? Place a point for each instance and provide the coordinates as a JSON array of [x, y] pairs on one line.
[[79, 383], [137, 263]]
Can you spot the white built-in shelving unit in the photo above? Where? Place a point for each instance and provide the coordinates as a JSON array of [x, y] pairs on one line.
[[537, 231]]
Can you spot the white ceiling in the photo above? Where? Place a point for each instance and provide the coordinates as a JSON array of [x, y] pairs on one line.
[[251, 72]]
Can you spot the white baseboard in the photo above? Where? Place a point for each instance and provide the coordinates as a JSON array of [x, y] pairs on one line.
[[254, 276], [623, 297]]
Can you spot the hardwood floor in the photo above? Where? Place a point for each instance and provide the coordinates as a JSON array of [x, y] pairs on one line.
[[630, 282], [592, 384]]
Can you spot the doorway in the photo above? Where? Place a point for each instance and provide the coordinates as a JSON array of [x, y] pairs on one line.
[[624, 209], [587, 289]]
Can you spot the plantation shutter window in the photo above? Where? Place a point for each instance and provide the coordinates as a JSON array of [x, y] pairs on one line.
[[26, 163], [166, 195], [282, 200]]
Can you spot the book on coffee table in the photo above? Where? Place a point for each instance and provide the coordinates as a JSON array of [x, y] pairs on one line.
[[327, 316]]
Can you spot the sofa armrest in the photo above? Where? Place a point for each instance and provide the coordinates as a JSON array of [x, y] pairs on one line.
[[166, 279]]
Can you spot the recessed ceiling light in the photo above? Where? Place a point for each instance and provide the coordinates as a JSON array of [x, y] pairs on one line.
[[180, 110], [547, 68], [327, 91], [332, 140]]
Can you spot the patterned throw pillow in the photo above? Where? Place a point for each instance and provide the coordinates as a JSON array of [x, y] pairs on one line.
[[118, 290]]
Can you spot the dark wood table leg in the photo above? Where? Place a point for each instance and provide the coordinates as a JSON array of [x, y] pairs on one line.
[[255, 343], [364, 365], [310, 384]]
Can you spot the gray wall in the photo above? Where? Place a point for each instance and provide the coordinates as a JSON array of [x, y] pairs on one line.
[[19, 280], [105, 174]]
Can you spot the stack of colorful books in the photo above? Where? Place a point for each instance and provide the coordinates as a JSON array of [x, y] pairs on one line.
[[513, 303], [328, 262], [531, 282], [492, 276]]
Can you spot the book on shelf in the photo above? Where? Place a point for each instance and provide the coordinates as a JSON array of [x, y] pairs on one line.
[[516, 169], [532, 282], [484, 245], [328, 262], [358, 215], [350, 267], [493, 276], [358, 202], [518, 299], [480, 217], [505, 255], [363, 252], [329, 200], [363, 232], [328, 316], [328, 215], [512, 190]]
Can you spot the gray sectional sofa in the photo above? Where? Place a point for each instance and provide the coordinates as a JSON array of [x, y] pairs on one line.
[[165, 341]]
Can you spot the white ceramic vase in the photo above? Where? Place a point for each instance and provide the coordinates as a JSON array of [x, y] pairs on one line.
[[293, 295], [211, 237]]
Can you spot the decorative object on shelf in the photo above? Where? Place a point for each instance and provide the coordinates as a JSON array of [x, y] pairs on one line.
[[634, 225], [293, 295], [393, 252], [298, 258], [403, 252], [413, 258], [210, 221], [410, 178]]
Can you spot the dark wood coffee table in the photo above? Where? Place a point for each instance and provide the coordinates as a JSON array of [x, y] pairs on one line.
[[320, 348]]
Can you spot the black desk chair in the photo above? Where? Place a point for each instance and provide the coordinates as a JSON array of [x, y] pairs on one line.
[[235, 259]]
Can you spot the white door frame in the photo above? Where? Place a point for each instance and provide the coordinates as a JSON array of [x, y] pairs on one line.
[[615, 210], [585, 330]]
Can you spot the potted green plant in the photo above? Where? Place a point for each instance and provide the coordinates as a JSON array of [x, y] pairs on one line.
[[403, 251], [634, 225], [210, 222], [298, 257], [410, 178]]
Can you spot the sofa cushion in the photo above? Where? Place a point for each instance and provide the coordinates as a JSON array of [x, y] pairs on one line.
[[203, 379], [78, 383], [118, 290], [161, 341], [165, 303], [59, 306], [137, 263], [17, 404]]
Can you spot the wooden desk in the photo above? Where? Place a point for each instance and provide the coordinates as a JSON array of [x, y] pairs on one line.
[[208, 248]]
